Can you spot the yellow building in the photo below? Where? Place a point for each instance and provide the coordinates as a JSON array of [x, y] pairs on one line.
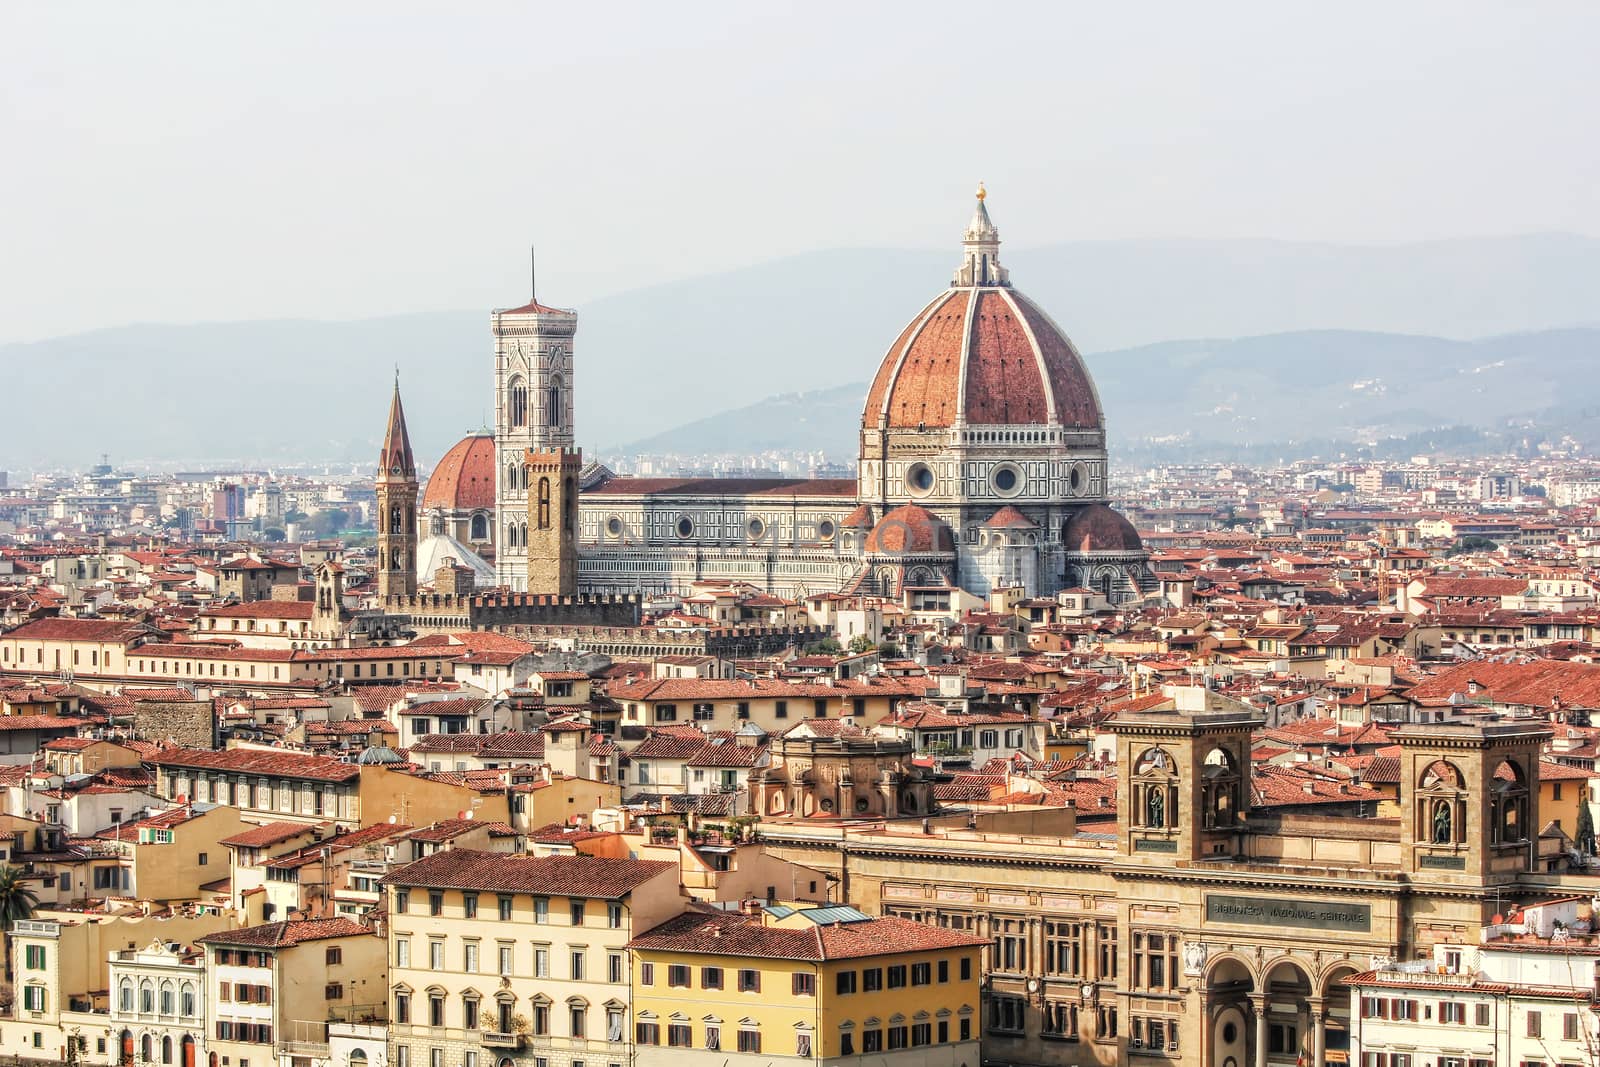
[[827, 985], [495, 956]]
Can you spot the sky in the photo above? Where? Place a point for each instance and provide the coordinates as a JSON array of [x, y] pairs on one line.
[[183, 162]]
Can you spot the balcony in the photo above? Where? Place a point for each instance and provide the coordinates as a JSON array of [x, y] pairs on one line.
[[501, 1039]]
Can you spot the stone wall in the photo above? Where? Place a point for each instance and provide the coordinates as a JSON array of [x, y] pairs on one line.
[[191, 723]]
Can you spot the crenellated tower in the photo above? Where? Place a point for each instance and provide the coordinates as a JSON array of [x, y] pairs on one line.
[[533, 412], [397, 507]]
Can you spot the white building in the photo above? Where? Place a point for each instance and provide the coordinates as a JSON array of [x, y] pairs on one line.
[[1526, 995], [158, 1004]]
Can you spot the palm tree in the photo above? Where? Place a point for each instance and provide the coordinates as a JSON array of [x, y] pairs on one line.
[[17, 902]]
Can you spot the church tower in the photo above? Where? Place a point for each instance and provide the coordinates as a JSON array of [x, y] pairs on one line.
[[533, 411], [552, 520], [397, 507]]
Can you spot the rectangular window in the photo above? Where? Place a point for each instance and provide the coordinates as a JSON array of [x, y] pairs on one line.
[[614, 914], [921, 974], [333, 956], [944, 970], [749, 1040], [678, 976], [897, 976], [872, 1041], [1480, 1015], [1535, 1024], [402, 901], [647, 974], [897, 1037], [541, 909], [469, 957], [1569, 1027], [844, 982], [966, 968], [680, 1035], [541, 963], [647, 1034], [436, 955], [469, 905], [505, 959], [505, 909], [35, 957], [802, 1045], [713, 1038], [436, 906], [577, 912], [711, 978], [871, 979], [578, 959], [804, 984], [614, 972], [749, 981]]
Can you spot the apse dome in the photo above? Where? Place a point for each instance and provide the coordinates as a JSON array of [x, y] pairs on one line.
[[1098, 528], [910, 530]]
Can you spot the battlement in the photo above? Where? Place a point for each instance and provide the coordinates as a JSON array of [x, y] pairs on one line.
[[564, 459]]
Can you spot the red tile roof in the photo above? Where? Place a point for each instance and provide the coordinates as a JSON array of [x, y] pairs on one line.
[[261, 762], [285, 934], [568, 876], [737, 934]]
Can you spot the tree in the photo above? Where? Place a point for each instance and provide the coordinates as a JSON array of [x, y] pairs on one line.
[[889, 650], [17, 902], [329, 522], [826, 647], [861, 643], [1585, 832], [1467, 545]]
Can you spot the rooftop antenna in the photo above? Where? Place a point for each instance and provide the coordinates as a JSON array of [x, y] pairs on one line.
[[533, 276]]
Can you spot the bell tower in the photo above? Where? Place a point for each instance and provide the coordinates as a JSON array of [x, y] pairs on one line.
[[1469, 794], [533, 376], [397, 507], [1183, 778]]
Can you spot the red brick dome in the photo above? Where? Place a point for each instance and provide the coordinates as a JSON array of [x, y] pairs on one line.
[[910, 530], [464, 478], [982, 354], [987, 356], [1098, 528]]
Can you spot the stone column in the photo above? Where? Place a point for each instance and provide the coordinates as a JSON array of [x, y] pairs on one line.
[[1319, 1029], [1258, 1004], [1207, 1038]]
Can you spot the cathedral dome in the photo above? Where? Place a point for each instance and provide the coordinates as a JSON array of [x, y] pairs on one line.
[[1098, 528], [910, 530], [982, 354], [464, 478]]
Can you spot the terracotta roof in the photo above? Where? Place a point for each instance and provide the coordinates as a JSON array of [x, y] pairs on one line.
[[262, 609], [272, 833], [97, 630], [736, 934], [285, 934], [910, 529], [568, 876], [261, 762]]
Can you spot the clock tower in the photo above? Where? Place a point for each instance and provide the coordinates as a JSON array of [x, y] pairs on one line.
[[397, 507], [533, 413]]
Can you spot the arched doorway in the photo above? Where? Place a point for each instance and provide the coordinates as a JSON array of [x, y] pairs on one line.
[[1288, 1015], [1336, 1026], [1229, 985], [127, 1048]]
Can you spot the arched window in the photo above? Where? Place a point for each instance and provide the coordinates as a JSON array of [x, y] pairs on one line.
[[1156, 790], [125, 996], [1220, 789], [553, 406], [146, 1046], [569, 507], [395, 520], [480, 528], [358, 1057], [1508, 800], [147, 1002], [517, 403], [168, 999], [544, 503], [166, 1049], [187, 999]]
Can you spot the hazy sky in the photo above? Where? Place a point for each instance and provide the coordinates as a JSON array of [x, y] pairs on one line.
[[183, 162]]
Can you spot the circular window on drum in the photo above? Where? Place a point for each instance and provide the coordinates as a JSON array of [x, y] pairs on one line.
[[919, 478], [614, 526], [1006, 479], [756, 529], [825, 530], [1077, 477], [685, 526]]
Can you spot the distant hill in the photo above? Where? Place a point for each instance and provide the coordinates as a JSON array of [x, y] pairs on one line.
[[663, 357], [1318, 386]]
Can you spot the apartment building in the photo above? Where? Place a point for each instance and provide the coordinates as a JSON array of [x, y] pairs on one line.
[[762, 984], [493, 956]]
